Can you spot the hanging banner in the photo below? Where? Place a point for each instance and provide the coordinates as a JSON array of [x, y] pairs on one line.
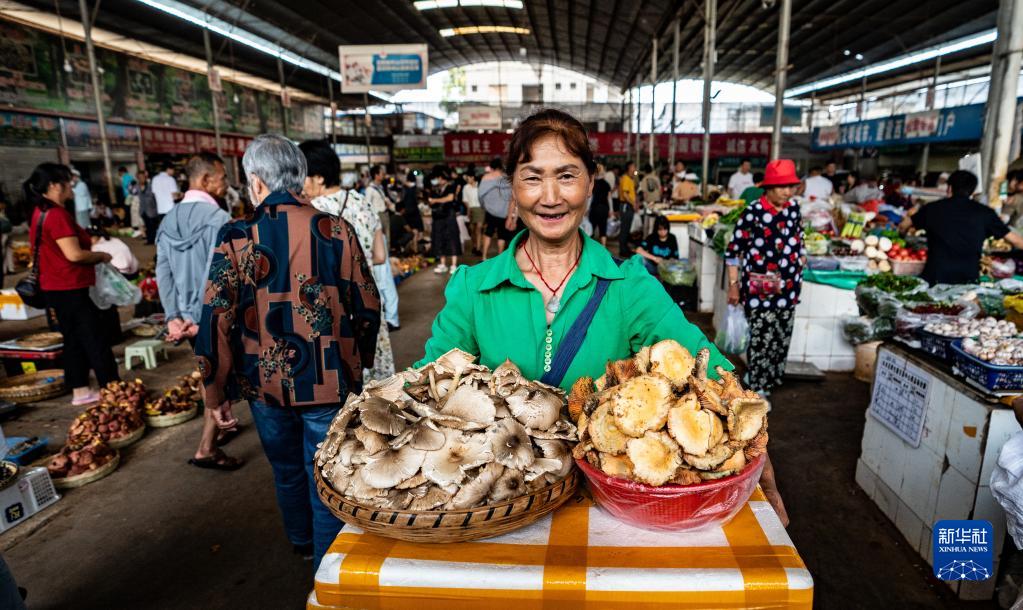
[[85, 134], [18, 129], [479, 147], [388, 67], [418, 148], [479, 117], [956, 124]]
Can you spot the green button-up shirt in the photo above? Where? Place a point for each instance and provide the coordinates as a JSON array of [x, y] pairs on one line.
[[494, 313]]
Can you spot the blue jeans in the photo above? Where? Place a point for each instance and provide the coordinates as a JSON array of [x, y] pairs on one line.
[[289, 438]]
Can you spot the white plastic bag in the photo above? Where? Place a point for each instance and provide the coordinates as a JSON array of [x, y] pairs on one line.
[[637, 223], [112, 288], [614, 227], [734, 337]]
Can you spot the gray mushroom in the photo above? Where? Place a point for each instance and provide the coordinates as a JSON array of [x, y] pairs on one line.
[[542, 466], [339, 475], [476, 488], [423, 435], [382, 416], [506, 379], [511, 445], [374, 442], [460, 452], [455, 360], [349, 449], [556, 450], [416, 481], [536, 409], [510, 485], [430, 499], [475, 407], [391, 389], [386, 469], [359, 489]]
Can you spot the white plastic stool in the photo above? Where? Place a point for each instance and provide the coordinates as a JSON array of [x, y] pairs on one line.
[[146, 351]]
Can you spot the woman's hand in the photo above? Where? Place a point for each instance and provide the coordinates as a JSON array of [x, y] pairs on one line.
[[104, 257], [733, 294]]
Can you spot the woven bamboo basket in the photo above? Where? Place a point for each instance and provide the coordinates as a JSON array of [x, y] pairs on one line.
[[128, 439], [88, 477], [450, 525], [171, 419], [33, 387]]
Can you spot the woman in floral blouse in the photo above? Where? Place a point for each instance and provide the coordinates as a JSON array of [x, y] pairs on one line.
[[768, 249], [323, 188]]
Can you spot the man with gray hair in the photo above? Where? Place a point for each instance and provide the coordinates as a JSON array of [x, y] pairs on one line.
[[184, 245], [289, 321]]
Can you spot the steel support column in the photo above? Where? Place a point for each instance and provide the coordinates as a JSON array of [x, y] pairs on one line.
[[931, 94], [781, 72], [709, 53], [674, 97], [97, 98], [653, 102], [213, 94], [1000, 114]]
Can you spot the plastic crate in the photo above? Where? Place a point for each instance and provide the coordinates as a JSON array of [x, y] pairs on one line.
[[907, 267], [938, 346], [991, 376]]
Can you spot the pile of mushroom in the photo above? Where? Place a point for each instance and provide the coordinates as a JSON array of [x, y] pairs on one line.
[[656, 418], [449, 435]]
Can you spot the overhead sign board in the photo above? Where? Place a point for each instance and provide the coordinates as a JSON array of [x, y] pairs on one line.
[[386, 67], [478, 117], [956, 124]]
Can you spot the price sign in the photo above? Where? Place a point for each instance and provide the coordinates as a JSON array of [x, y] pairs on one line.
[[899, 399]]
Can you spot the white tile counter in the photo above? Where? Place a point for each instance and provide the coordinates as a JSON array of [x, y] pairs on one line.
[[948, 475]]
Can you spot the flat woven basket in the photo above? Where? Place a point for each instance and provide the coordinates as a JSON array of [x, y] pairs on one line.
[[127, 439], [170, 419], [454, 525], [33, 387], [85, 478]]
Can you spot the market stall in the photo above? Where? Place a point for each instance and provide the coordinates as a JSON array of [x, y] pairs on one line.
[[493, 465], [930, 443], [581, 557]]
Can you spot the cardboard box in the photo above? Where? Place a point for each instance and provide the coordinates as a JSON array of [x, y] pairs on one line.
[[32, 492]]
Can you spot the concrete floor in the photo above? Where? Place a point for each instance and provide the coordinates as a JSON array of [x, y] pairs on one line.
[[159, 534]]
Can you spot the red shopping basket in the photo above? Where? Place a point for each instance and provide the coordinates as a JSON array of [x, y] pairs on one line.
[[674, 507]]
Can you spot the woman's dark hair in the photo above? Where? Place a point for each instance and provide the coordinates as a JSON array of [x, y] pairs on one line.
[[42, 177], [549, 122], [99, 232], [661, 222], [322, 161], [647, 168]]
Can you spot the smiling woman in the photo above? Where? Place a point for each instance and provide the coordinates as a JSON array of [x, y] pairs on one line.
[[556, 302]]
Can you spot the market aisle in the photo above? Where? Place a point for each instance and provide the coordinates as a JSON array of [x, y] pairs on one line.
[[197, 539], [159, 534]]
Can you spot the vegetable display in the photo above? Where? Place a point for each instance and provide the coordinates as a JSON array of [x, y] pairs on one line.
[[449, 435], [1002, 351], [985, 327], [656, 419]]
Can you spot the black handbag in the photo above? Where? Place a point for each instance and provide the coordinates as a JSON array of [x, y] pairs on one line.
[[28, 287]]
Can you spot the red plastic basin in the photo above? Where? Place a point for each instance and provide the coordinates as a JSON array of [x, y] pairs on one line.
[[673, 507]]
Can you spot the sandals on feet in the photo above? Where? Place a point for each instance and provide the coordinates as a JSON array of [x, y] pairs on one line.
[[218, 461], [228, 435], [88, 399]]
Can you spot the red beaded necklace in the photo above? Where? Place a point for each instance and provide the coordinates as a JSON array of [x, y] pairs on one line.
[[555, 302]]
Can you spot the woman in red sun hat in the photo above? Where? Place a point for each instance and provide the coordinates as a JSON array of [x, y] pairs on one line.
[[765, 269]]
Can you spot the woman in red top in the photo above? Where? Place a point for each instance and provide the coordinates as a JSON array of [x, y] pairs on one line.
[[65, 275]]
